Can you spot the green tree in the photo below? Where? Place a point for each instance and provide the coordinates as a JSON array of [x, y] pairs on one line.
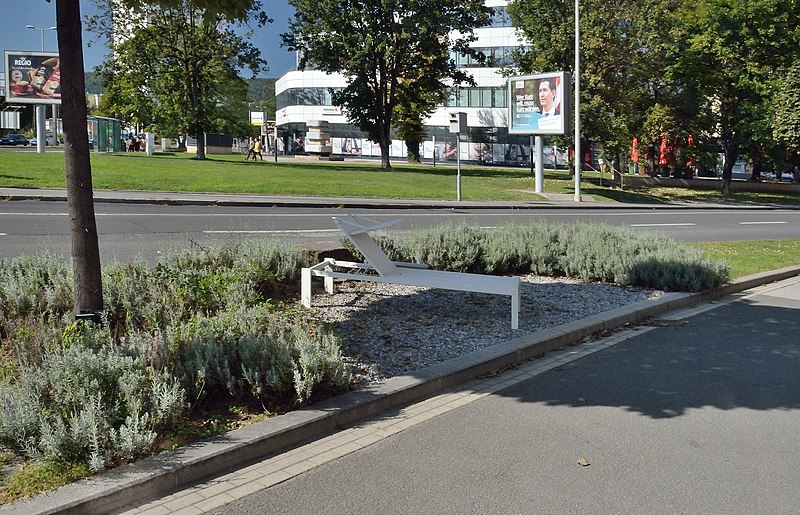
[[178, 69], [384, 48], [419, 98], [734, 50], [85, 250], [623, 45], [785, 121]]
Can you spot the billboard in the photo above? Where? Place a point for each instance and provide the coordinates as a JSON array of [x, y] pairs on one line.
[[539, 104], [32, 77]]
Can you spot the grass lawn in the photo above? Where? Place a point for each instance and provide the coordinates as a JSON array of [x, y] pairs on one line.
[[231, 174], [750, 257]]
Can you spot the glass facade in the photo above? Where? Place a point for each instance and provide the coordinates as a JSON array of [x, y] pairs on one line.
[[500, 17], [305, 97], [496, 57], [479, 97]]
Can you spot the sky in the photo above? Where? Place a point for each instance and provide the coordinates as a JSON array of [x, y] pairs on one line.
[[40, 13]]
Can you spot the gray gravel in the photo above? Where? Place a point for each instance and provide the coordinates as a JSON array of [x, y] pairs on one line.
[[391, 330]]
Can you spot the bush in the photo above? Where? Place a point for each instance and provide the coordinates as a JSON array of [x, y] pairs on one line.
[[199, 322], [247, 351], [592, 252], [39, 285], [88, 403], [521, 249]]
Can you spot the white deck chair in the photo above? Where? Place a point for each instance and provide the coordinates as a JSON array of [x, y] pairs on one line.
[[379, 268]]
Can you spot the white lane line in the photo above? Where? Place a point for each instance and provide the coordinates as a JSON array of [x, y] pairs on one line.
[[760, 223], [290, 231], [662, 225], [3, 234]]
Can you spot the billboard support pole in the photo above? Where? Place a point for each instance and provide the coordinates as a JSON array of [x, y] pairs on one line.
[[577, 158], [539, 164], [458, 166], [40, 137], [55, 126]]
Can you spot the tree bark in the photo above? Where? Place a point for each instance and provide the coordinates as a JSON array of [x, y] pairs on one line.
[[197, 103], [731, 151], [386, 145], [413, 151], [85, 249]]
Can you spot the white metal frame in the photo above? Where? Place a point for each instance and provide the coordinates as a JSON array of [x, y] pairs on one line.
[[379, 268]]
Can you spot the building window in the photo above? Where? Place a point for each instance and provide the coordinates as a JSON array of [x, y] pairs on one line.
[[305, 97], [500, 17]]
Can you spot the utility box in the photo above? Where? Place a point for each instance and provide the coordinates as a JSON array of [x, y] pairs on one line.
[[458, 123]]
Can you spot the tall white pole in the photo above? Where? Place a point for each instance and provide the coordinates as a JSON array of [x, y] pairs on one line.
[[458, 166], [536, 148], [577, 157]]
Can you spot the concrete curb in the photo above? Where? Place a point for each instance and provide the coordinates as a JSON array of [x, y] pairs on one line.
[[156, 476], [232, 200]]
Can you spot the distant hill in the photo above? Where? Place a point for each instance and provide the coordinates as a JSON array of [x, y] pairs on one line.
[[93, 84], [261, 91]]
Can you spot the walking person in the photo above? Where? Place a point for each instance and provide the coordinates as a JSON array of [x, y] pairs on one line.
[[257, 149], [251, 150]]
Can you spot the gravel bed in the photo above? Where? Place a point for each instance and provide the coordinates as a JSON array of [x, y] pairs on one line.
[[391, 330]]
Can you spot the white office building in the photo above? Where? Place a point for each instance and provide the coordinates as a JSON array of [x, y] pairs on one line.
[[304, 96]]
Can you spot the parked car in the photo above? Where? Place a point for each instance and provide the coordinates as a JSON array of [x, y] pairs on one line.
[[47, 139], [13, 139]]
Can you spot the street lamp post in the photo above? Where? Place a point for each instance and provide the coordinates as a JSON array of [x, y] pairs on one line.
[[40, 108], [41, 31]]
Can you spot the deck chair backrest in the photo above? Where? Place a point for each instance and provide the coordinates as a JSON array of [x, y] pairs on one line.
[[357, 232]]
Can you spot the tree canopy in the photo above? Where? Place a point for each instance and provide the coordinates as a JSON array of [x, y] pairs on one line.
[[176, 69], [386, 49]]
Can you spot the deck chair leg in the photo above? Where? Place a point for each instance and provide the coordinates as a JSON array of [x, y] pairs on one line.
[[515, 302], [305, 287]]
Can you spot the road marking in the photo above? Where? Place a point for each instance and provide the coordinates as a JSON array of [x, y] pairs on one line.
[[760, 223], [3, 234], [662, 225], [290, 231]]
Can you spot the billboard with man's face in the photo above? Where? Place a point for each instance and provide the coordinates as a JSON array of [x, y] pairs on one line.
[[539, 104], [32, 77]]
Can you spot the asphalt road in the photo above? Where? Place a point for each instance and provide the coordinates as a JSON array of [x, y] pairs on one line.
[[130, 230], [700, 417]]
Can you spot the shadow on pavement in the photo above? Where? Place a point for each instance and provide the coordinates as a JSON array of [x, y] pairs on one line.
[[737, 356]]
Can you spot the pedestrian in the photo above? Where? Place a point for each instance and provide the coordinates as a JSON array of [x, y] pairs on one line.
[[251, 150], [257, 149]]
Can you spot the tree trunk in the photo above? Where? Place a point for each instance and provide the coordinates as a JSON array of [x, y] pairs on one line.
[[385, 144], [201, 143], [616, 169], [413, 151], [758, 166], [731, 151], [199, 109], [85, 249]]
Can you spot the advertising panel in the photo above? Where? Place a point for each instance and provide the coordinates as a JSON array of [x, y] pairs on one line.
[[539, 104], [256, 117], [32, 77]]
